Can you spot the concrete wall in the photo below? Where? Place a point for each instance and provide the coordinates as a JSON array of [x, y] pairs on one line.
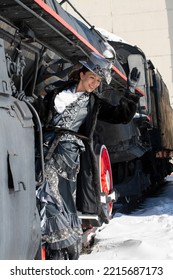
[[145, 23]]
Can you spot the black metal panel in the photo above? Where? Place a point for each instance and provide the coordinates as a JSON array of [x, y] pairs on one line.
[[48, 30], [20, 230], [71, 39]]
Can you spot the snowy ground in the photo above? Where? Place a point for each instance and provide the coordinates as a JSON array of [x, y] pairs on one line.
[[134, 246], [146, 234]]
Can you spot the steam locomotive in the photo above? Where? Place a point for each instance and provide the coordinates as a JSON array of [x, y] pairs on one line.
[[39, 44]]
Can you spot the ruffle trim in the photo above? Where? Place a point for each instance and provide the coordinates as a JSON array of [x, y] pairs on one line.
[[61, 233], [60, 244]]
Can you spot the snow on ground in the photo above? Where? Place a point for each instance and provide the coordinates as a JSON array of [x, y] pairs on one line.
[[146, 234]]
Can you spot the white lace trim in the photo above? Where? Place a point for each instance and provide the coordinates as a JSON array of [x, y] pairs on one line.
[[65, 98]]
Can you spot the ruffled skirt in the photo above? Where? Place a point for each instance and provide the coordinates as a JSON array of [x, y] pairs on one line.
[[60, 224]]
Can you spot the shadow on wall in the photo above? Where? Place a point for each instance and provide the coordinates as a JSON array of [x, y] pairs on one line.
[[169, 7]]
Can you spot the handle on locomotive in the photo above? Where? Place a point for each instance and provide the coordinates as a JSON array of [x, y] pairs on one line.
[[40, 141]]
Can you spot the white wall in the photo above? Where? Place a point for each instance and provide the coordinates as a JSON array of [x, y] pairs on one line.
[[145, 23]]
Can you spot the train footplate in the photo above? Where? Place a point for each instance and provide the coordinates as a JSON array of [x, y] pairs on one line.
[[89, 220]]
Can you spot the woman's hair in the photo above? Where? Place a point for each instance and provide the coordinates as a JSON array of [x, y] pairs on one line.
[[75, 73]]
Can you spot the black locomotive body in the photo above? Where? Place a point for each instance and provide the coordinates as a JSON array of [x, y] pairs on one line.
[[141, 150], [39, 44]]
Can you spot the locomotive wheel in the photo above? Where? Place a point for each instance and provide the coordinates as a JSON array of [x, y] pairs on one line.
[[105, 175]]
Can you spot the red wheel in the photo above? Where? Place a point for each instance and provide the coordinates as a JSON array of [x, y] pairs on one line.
[[106, 182]]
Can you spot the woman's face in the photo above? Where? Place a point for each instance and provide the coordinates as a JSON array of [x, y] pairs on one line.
[[88, 82]]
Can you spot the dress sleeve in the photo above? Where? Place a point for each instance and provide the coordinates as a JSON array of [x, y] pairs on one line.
[[120, 113]]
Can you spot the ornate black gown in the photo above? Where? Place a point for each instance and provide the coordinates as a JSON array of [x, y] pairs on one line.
[[60, 224]]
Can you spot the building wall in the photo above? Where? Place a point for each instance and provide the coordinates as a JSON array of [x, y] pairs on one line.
[[145, 23]]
